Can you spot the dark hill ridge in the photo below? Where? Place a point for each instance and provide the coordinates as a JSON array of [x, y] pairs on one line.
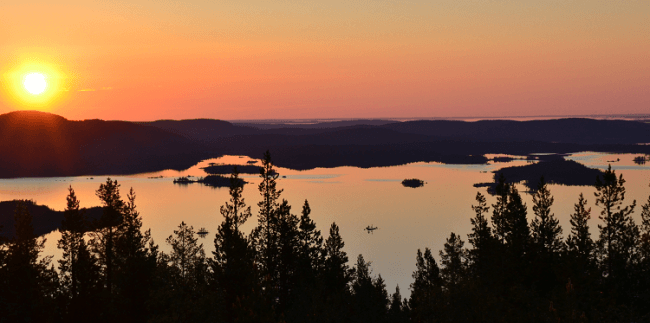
[[573, 130], [37, 144]]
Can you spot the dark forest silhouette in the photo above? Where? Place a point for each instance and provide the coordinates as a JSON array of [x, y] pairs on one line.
[[286, 270]]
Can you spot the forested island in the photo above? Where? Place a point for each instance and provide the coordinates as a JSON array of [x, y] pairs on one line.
[[286, 270]]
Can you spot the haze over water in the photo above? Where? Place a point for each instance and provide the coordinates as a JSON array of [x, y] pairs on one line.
[[352, 197]]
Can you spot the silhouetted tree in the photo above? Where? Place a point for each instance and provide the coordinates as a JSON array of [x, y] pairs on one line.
[[265, 237], [78, 269], [618, 234], [545, 227], [369, 296], [398, 309], [579, 243], [335, 278], [453, 261], [184, 297], [233, 264], [105, 236], [546, 240], [135, 259], [426, 290], [481, 238]]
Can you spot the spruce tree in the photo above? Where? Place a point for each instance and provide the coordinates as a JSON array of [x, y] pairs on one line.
[[135, 261], [265, 236], [579, 243], [453, 262], [545, 227], [426, 289], [369, 296], [232, 264], [78, 269], [618, 233], [481, 239], [105, 235]]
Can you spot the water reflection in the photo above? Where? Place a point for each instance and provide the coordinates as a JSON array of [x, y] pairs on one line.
[[352, 197]]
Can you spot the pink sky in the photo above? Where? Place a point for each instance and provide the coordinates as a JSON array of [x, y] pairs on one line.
[[147, 60]]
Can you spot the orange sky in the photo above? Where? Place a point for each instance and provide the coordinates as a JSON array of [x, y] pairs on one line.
[[254, 59]]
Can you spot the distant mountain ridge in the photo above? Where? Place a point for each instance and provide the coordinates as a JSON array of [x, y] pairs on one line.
[[35, 144]]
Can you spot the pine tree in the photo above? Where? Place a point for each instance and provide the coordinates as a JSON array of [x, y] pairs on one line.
[[426, 289], [135, 261], [481, 239], [79, 272], [517, 233], [369, 296], [546, 230], [579, 243], [397, 311], [336, 277], [453, 262], [618, 233], [105, 236], [232, 264], [265, 236], [499, 209]]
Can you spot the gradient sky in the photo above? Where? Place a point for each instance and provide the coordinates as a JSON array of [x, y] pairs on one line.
[[253, 59]]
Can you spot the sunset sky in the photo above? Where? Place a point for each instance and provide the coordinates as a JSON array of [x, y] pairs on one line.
[[253, 59]]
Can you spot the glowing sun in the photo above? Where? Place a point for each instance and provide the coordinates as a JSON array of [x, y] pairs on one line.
[[35, 83]]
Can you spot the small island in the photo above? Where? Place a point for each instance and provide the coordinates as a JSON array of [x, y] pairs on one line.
[[413, 182], [210, 180]]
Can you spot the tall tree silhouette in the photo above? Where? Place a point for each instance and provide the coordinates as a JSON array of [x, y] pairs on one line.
[[105, 236], [481, 239], [580, 245], [453, 261], [426, 289], [545, 227], [618, 233], [335, 278], [78, 269], [265, 236], [135, 259], [546, 239], [233, 264], [369, 296]]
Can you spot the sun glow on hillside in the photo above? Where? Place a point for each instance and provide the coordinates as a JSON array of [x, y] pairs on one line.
[[34, 84]]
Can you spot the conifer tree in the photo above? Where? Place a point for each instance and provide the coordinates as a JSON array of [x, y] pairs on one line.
[[336, 278], [481, 238], [336, 274], [545, 227], [426, 289], [579, 243], [105, 236], [517, 233], [135, 261], [618, 233], [397, 310], [78, 269], [499, 209], [232, 264], [311, 244], [453, 261], [369, 296], [265, 236]]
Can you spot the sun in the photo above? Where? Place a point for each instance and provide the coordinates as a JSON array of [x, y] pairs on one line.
[[35, 83]]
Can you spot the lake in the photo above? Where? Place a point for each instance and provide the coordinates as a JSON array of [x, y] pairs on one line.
[[407, 218]]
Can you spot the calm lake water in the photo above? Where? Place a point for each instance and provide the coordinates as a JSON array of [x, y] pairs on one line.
[[408, 218]]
